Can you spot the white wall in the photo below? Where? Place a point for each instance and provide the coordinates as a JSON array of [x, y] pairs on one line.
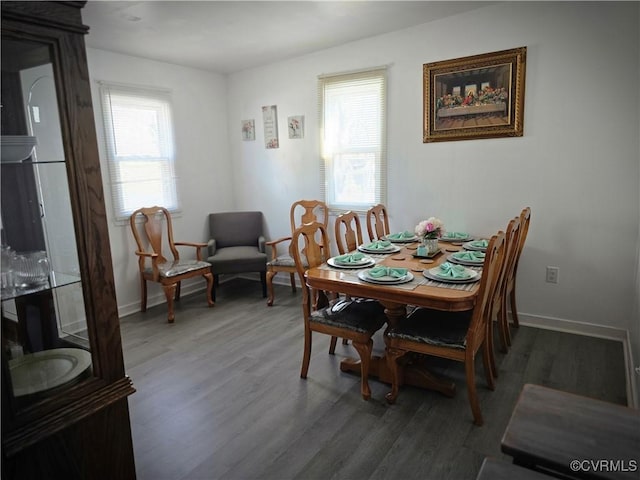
[[577, 165], [202, 158]]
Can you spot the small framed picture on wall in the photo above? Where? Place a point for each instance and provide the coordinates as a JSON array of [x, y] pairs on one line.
[[296, 126], [270, 119], [248, 130]]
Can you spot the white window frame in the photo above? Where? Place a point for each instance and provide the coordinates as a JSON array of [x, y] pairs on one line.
[[333, 148], [155, 182]]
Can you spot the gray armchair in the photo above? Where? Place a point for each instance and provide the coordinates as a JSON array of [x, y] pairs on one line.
[[237, 245]]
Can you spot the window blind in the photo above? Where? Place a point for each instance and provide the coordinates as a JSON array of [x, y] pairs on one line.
[[140, 150], [353, 165]]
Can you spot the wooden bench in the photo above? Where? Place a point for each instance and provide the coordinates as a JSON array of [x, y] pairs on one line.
[[572, 435]]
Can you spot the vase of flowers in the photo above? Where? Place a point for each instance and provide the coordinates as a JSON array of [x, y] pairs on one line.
[[430, 231]]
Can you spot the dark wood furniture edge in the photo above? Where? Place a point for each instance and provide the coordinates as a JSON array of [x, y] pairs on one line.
[[85, 406]]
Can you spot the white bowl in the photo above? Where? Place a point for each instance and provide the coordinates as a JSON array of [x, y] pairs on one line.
[[16, 148]]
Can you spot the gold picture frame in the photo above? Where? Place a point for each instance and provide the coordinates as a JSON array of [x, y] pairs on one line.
[[481, 96]]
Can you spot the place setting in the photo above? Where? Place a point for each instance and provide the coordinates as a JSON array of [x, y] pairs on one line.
[[401, 237], [383, 275], [379, 246], [448, 272], [477, 245], [351, 261], [456, 237], [472, 258]]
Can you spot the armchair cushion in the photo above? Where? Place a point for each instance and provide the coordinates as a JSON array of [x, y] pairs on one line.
[[238, 260], [172, 269]]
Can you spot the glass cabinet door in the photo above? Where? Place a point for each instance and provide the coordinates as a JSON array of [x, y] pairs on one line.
[[44, 327]]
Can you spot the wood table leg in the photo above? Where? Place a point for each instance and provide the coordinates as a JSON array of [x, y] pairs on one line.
[[411, 373]]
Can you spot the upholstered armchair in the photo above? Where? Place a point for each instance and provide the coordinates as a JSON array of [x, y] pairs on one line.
[[237, 245]]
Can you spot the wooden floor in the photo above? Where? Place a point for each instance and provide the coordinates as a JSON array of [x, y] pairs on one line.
[[219, 396]]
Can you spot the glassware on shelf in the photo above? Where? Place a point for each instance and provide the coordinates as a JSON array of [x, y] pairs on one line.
[[31, 269], [7, 274]]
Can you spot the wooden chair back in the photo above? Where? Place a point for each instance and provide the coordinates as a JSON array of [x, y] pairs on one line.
[[491, 270], [308, 211], [498, 302], [158, 232], [307, 250], [348, 232], [377, 222], [525, 219]]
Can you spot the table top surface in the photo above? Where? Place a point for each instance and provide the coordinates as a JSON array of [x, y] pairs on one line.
[[552, 428], [420, 291]]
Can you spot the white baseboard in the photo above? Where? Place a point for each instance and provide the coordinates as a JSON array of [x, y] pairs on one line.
[[591, 330]]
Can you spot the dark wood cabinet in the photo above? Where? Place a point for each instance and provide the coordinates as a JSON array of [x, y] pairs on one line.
[[75, 425]]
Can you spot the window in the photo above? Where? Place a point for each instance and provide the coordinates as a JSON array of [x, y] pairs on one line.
[[140, 153], [353, 139]]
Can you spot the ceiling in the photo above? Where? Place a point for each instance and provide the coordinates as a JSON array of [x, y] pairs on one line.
[[230, 36]]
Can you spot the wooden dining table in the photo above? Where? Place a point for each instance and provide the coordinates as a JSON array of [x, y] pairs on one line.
[[420, 292]]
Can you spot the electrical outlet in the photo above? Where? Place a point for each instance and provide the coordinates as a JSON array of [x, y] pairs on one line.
[[552, 274]]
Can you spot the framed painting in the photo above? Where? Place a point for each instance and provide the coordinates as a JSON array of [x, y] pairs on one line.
[[481, 96]]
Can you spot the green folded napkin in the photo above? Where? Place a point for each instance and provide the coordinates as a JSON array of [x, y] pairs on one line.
[[456, 235], [348, 258], [449, 270], [468, 255], [378, 245], [382, 271], [481, 243], [401, 236]]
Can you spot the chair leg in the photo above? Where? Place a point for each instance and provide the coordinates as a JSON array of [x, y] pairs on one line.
[[345, 341], [489, 370], [332, 345], [514, 309], [292, 277], [364, 349], [503, 328], [270, 275], [491, 348], [143, 294], [306, 356], [393, 355], [263, 281], [177, 296], [470, 368], [209, 278], [169, 293]]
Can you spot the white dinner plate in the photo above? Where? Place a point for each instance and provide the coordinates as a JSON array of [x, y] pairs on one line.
[[40, 371], [402, 240], [365, 262], [470, 246], [389, 249], [385, 280], [462, 261], [432, 274], [444, 238]]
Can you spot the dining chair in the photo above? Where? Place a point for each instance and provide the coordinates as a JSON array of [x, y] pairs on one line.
[[499, 300], [149, 225], [353, 319], [348, 232], [377, 222], [525, 220], [452, 335], [301, 212]]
